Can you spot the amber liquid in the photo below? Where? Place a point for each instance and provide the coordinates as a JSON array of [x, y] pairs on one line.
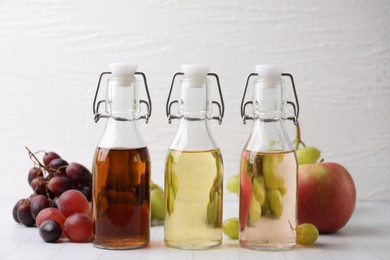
[[121, 195], [268, 200]]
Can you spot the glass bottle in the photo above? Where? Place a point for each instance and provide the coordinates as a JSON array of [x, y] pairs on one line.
[[194, 168], [268, 167], [121, 166]]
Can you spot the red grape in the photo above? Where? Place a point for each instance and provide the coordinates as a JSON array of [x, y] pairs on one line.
[[38, 185], [50, 231], [87, 191], [78, 228], [60, 173], [39, 203], [78, 173], [72, 201], [24, 215], [58, 165], [34, 172], [55, 202], [15, 209], [49, 156], [58, 185], [50, 214]]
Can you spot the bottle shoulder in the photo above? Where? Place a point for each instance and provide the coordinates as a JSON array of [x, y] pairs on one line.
[[122, 135], [195, 159], [269, 137], [193, 136]]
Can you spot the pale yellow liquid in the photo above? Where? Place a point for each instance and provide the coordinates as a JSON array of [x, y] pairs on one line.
[[188, 224]]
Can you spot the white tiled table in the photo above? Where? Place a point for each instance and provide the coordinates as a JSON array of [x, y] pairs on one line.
[[366, 236]]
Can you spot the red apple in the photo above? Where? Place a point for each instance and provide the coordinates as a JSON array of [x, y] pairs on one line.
[[326, 196]]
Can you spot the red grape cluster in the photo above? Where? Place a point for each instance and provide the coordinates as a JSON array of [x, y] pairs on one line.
[[59, 203]]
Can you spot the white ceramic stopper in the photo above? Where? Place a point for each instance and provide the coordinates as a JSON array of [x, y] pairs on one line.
[[122, 69], [269, 71], [192, 70]]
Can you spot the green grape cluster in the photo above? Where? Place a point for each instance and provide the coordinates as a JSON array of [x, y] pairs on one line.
[[171, 185], [267, 186]]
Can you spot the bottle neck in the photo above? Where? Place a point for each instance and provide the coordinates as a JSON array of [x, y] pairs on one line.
[[122, 98], [268, 99], [269, 135], [120, 134], [193, 135], [194, 99]]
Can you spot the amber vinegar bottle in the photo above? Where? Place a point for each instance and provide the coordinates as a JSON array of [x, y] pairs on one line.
[[268, 167], [121, 166]]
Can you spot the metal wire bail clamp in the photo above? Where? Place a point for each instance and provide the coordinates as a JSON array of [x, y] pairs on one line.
[[295, 105], [97, 115], [221, 106]]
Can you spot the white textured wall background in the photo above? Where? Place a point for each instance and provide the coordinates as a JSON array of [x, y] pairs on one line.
[[52, 51]]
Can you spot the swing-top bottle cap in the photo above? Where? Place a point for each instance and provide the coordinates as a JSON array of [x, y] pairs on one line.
[[194, 75], [269, 71], [195, 71], [122, 69]]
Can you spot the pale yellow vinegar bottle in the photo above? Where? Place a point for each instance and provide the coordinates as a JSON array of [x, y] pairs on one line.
[[268, 167], [194, 170]]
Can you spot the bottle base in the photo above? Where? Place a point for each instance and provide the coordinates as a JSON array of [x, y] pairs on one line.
[[267, 245], [193, 244], [121, 244]]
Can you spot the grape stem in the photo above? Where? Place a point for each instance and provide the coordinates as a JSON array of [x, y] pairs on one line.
[[35, 160], [47, 169], [298, 140]]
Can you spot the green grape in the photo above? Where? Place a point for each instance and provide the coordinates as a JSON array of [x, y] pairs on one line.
[[157, 204], [254, 211], [307, 234], [276, 202], [211, 194], [258, 191], [265, 208], [217, 217], [270, 171], [210, 212], [308, 154], [175, 183], [171, 200], [233, 184], [155, 186], [230, 227], [282, 187], [280, 157], [168, 176]]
